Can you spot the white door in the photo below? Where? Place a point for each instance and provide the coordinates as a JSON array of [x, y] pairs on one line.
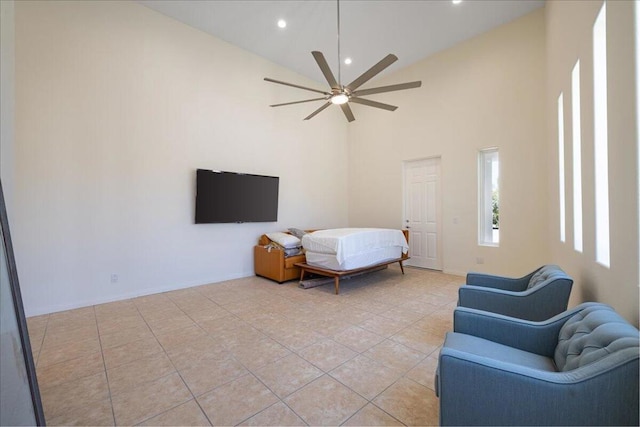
[[422, 210]]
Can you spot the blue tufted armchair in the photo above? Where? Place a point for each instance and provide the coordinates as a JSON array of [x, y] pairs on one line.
[[537, 296], [580, 367]]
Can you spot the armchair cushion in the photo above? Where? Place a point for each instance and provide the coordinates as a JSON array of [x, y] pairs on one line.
[[544, 274], [591, 335]]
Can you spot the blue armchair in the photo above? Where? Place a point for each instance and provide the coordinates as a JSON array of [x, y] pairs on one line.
[[580, 367], [537, 296]]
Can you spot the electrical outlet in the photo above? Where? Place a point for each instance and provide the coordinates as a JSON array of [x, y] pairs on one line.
[[114, 278], [479, 260]]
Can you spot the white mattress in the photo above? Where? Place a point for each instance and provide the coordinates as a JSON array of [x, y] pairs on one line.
[[347, 243], [361, 260]]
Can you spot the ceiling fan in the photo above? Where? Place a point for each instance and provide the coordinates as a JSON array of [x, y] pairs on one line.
[[342, 95]]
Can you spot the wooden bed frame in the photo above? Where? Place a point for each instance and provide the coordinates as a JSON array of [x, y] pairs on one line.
[[337, 274]]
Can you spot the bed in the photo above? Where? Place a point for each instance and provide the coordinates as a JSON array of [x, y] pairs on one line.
[[347, 251]]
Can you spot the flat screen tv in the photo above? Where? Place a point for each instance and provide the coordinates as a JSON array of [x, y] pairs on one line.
[[223, 197]]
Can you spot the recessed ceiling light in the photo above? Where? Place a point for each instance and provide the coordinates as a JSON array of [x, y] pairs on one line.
[[347, 61], [456, 1], [282, 23]]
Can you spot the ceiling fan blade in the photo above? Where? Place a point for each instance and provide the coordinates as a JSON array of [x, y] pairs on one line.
[[373, 103], [390, 88], [371, 72], [297, 86], [324, 67], [347, 112], [297, 102], [325, 105]]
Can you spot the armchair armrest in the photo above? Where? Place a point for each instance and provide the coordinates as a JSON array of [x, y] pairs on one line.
[[538, 303], [499, 282], [535, 337]]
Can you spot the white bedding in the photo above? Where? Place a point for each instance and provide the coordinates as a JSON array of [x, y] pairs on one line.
[[361, 260], [346, 243]]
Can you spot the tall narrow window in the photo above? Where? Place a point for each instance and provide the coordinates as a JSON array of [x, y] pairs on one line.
[[577, 158], [489, 197], [561, 167], [600, 136]]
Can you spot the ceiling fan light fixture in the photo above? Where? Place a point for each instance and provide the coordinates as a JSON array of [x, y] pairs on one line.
[[282, 23], [339, 99]]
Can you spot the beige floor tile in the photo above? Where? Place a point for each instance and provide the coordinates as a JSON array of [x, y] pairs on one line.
[[365, 376], [212, 313], [371, 415], [170, 323], [221, 324], [116, 356], [330, 327], [37, 322], [149, 399], [422, 306], [260, 353], [288, 374], [196, 352], [125, 336], [278, 414], [116, 308], [209, 374], [418, 339], [96, 413], [384, 326], [325, 402], [79, 315], [395, 355], [298, 339], [410, 402], [132, 374], [176, 338], [357, 339], [70, 370], [241, 335], [69, 398], [67, 335], [401, 314], [393, 320], [51, 354], [236, 401], [327, 354], [186, 414], [372, 306], [437, 323], [425, 372], [119, 323], [160, 313]]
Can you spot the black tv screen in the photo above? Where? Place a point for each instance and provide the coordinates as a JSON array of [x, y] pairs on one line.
[[235, 197]]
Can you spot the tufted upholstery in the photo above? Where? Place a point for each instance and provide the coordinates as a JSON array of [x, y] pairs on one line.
[[592, 334], [537, 296], [545, 273]]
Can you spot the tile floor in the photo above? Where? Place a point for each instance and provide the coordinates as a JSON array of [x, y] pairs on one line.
[[251, 352]]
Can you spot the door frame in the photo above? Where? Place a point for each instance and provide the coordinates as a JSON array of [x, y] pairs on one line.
[[439, 199]]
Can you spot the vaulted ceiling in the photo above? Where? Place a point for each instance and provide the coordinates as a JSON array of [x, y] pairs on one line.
[[369, 30]]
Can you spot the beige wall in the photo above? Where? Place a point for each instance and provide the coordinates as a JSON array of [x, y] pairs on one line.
[[486, 92], [569, 37], [117, 106]]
